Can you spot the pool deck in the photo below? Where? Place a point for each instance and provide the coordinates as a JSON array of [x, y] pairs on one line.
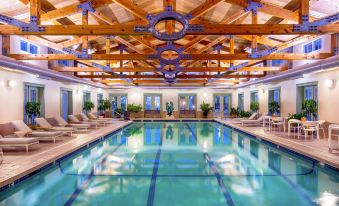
[[18, 163], [314, 148]]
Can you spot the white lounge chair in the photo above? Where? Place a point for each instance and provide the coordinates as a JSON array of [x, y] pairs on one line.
[[75, 120], [12, 141], [79, 127], [258, 121], [310, 127], [100, 122], [44, 124], [23, 130], [252, 117], [93, 117]]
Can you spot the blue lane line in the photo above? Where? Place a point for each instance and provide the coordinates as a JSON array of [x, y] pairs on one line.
[[151, 191], [221, 183], [85, 183]]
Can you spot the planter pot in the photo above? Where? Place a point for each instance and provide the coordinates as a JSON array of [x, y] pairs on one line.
[[169, 117], [138, 115], [303, 119]]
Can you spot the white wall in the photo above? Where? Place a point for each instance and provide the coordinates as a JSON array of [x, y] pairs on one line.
[[328, 97], [11, 99], [15, 49]]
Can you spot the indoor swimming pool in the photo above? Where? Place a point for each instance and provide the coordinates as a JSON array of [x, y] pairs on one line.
[[179, 163]]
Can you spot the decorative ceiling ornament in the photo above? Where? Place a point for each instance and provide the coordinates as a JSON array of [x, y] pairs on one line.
[[173, 48], [169, 14]]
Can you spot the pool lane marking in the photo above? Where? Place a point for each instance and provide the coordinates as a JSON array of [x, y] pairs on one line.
[[85, 183], [151, 191], [217, 175]]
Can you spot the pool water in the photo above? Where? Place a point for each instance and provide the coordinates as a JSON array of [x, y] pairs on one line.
[[174, 163]]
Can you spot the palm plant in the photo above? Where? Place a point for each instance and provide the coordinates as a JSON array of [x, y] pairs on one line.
[[206, 108], [310, 108], [32, 110], [274, 107], [254, 106], [88, 106]]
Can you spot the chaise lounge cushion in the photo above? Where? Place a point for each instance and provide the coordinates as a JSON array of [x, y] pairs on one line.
[[21, 126], [17, 140], [42, 122], [61, 122]]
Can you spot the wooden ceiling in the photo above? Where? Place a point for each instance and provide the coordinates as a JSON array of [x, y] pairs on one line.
[[271, 27]]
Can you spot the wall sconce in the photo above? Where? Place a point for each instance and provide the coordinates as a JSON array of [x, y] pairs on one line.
[[11, 83], [329, 83], [205, 94], [263, 91]]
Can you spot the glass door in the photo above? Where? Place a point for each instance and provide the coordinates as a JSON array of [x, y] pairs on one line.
[[119, 101], [222, 105], [66, 103], [33, 93], [152, 102]]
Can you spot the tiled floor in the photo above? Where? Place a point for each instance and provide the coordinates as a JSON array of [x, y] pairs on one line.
[[314, 148], [18, 164]]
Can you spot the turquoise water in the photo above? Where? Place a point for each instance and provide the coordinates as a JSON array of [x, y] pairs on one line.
[[178, 164]]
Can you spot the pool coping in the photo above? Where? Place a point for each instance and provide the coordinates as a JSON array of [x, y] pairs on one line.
[[93, 138], [293, 147]]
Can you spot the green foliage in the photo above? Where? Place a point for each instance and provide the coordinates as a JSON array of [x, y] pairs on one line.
[[254, 106], [88, 106], [101, 107], [107, 104], [274, 107], [296, 116], [169, 108], [32, 110], [206, 130], [245, 114], [205, 107], [310, 107], [234, 111], [134, 108], [118, 111]]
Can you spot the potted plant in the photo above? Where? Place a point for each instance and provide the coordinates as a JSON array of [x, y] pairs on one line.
[[169, 110], [88, 106], [234, 112], [32, 111], [310, 108], [274, 108], [101, 108], [118, 112], [107, 106], [254, 106], [205, 108], [135, 110], [245, 114], [300, 116]]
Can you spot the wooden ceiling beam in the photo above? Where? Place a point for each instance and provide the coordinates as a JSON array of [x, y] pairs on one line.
[[209, 29], [203, 8], [147, 69], [134, 76], [239, 56], [133, 8]]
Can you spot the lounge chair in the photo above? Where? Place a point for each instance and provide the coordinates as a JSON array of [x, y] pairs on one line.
[[44, 124], [79, 127], [89, 118], [12, 141], [75, 120], [23, 130], [238, 120], [253, 121]]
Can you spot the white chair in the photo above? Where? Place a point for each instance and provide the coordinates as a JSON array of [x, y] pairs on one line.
[[310, 127], [321, 126], [278, 122]]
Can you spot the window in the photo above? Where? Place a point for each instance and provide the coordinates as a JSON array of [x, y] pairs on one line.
[[64, 62], [313, 46], [33, 93], [274, 96], [187, 101], [85, 98], [66, 103], [23, 46], [152, 101], [100, 98], [28, 47], [119, 101], [33, 49], [241, 101], [278, 62], [307, 92], [254, 96], [222, 104]]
